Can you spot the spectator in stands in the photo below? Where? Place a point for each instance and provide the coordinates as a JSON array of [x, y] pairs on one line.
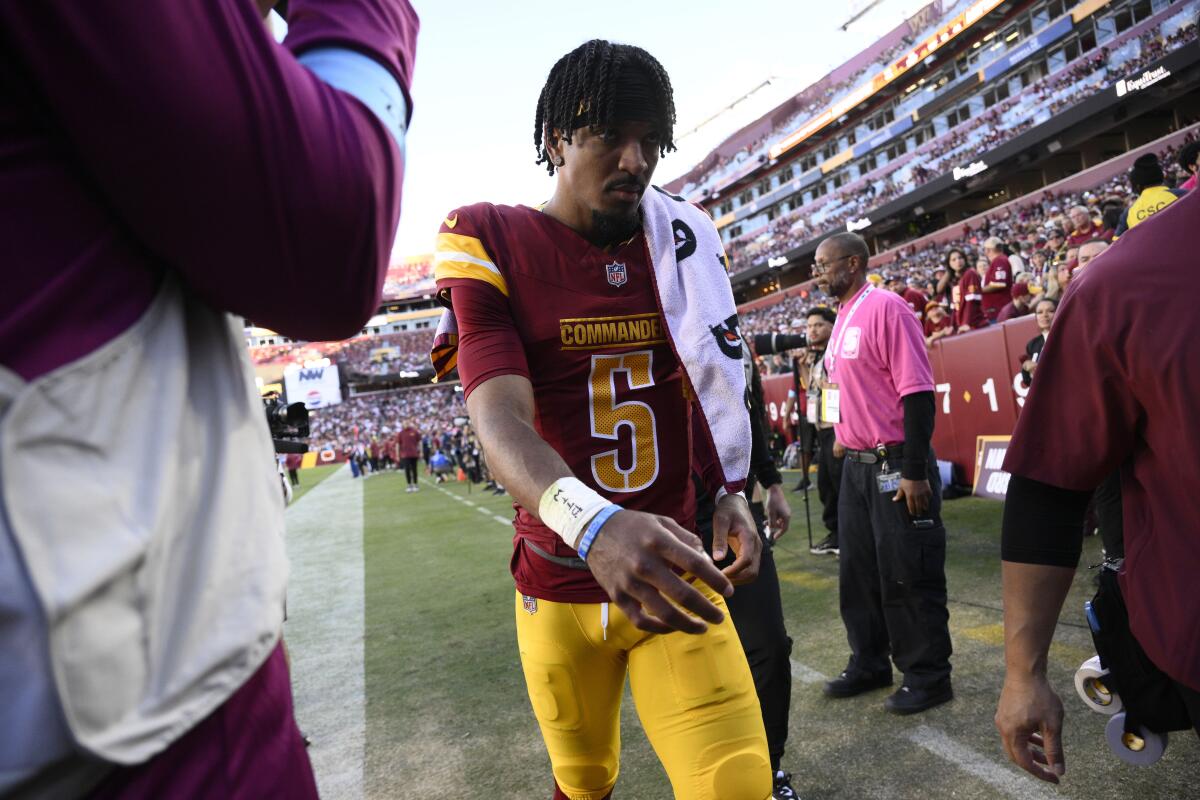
[[1044, 310], [1189, 162], [1084, 228], [167, 166], [1146, 180], [897, 283], [1089, 250], [1018, 306], [1056, 240], [997, 280], [967, 300], [943, 286], [937, 323]]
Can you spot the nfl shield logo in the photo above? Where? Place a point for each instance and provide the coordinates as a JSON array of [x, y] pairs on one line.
[[529, 603], [617, 275]]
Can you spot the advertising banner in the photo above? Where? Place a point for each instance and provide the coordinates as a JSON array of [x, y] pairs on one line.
[[316, 387]]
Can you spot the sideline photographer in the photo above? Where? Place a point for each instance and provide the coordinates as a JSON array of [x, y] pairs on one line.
[[169, 166], [816, 435]]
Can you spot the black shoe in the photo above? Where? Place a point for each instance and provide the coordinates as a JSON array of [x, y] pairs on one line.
[[849, 683], [828, 545], [802, 485], [908, 700], [499, 490], [783, 787]]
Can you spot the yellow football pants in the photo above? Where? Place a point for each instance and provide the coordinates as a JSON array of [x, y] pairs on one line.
[[694, 694]]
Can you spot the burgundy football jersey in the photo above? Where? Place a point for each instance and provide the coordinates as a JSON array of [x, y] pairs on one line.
[[533, 297]]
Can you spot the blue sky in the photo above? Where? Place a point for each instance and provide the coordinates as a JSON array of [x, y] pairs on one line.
[[481, 65]]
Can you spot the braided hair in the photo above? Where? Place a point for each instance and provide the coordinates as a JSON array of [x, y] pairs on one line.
[[579, 92]]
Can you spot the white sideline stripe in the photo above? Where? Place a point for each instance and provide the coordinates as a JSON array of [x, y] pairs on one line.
[[1004, 779], [501, 520], [806, 674], [324, 631], [483, 511]]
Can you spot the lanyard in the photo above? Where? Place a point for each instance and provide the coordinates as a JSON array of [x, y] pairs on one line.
[[839, 332]]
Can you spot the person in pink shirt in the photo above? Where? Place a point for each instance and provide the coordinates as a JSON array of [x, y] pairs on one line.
[[879, 395]]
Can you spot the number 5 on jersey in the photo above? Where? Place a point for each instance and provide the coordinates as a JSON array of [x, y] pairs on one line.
[[607, 417]]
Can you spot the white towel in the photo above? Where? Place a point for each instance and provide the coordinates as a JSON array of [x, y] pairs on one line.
[[692, 286]]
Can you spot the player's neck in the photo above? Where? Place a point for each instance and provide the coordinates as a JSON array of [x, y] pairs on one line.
[[587, 223]]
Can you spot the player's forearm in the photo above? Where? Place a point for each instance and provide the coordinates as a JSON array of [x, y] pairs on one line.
[[1033, 599], [521, 459]]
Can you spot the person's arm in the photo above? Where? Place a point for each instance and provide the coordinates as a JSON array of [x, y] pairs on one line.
[[733, 526], [912, 376], [272, 194], [1041, 539], [762, 467], [633, 554], [915, 490]]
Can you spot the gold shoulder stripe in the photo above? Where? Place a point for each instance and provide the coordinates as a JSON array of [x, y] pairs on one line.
[[466, 269], [462, 244], [460, 256]]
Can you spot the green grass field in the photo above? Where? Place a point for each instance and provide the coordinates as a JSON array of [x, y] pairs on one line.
[[445, 713]]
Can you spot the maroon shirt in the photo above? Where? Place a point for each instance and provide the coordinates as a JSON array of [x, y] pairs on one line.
[[137, 138], [1010, 311], [409, 441], [967, 299], [1094, 231], [999, 271], [608, 390], [1117, 387], [916, 301]]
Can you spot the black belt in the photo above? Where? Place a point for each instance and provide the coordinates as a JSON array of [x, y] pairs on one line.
[[572, 562], [893, 452]]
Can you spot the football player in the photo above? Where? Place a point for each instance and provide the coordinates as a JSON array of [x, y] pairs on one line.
[[576, 392]]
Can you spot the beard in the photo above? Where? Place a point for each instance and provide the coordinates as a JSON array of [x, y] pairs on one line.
[[609, 228]]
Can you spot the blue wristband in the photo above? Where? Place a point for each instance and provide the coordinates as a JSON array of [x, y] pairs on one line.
[[593, 528]]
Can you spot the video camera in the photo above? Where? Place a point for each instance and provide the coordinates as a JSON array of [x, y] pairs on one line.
[[766, 344], [288, 424]]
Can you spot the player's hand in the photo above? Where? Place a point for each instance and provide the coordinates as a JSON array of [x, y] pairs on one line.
[[632, 559], [1029, 718], [779, 513], [917, 494], [839, 449], [734, 528]]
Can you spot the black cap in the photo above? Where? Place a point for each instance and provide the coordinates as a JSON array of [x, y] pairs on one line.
[[1146, 172]]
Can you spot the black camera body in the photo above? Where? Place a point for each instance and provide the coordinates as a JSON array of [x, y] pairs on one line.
[[288, 424]]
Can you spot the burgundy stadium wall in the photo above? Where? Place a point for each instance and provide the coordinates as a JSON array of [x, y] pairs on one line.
[[978, 390]]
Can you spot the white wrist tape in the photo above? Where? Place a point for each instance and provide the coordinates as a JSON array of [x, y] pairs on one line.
[[567, 507], [721, 493]]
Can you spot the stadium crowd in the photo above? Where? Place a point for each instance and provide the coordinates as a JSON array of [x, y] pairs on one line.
[[1040, 239], [1090, 73], [387, 353], [810, 102], [438, 410]]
